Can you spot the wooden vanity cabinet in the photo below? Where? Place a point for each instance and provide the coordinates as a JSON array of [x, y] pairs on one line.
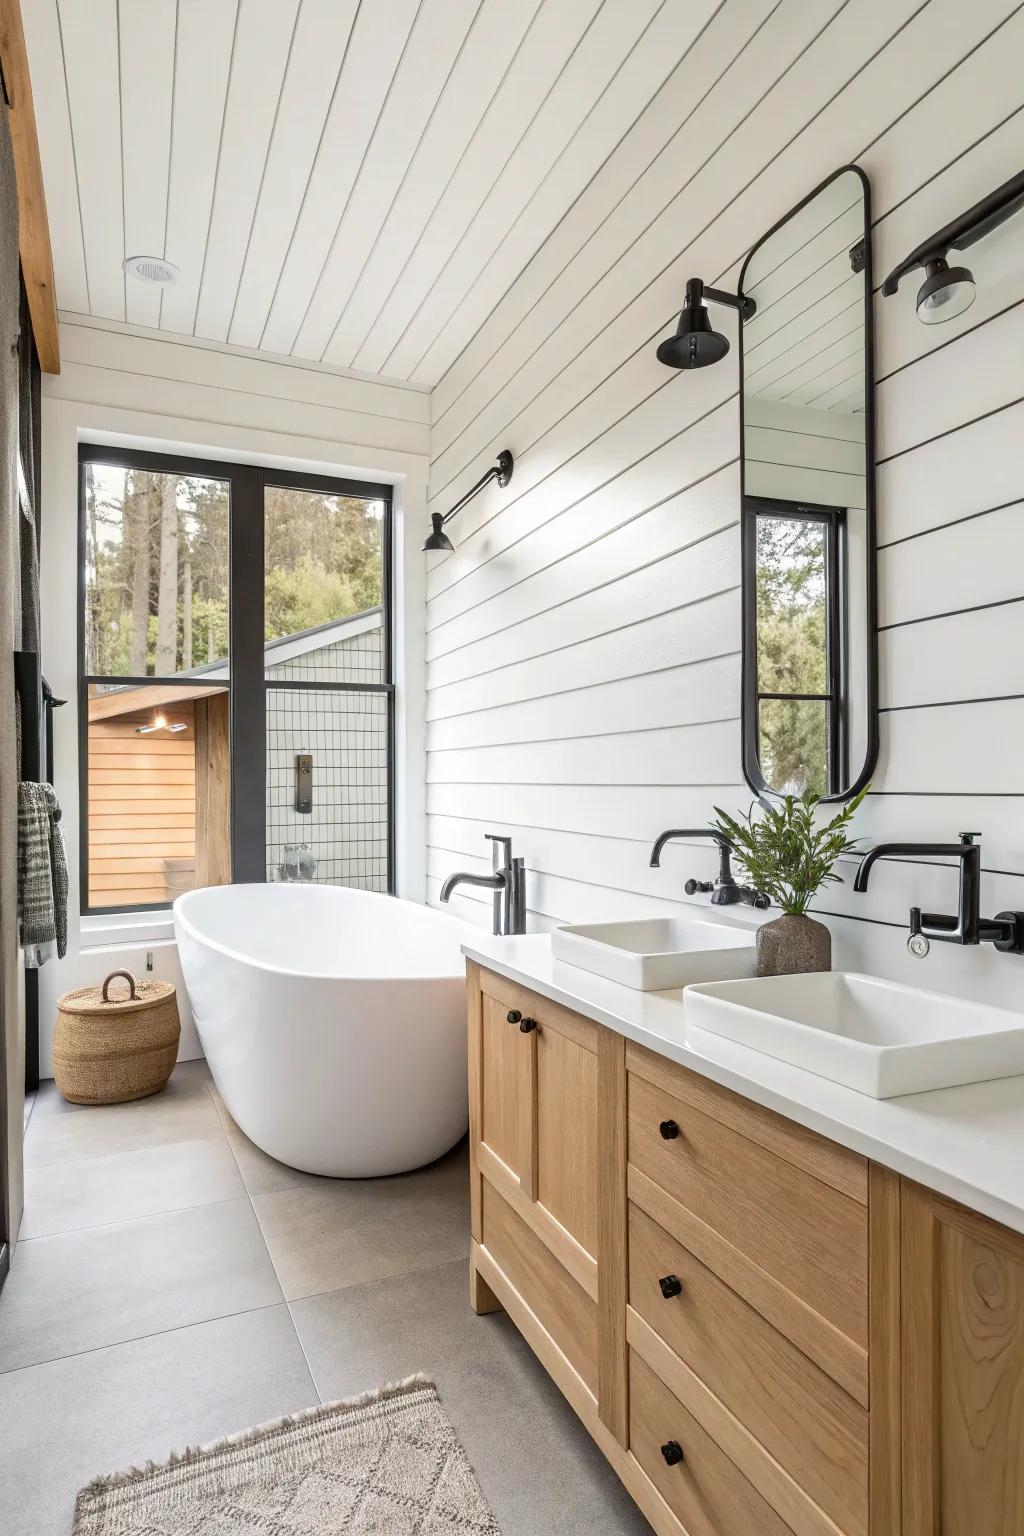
[[762, 1330], [962, 1370]]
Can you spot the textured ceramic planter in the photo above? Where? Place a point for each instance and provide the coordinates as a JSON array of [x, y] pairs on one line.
[[792, 944]]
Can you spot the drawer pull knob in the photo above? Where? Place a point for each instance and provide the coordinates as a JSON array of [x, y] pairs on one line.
[[513, 1016], [673, 1453], [669, 1130], [671, 1285], [527, 1026]]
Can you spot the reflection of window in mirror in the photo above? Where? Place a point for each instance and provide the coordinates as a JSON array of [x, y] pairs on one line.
[[809, 665], [798, 554]]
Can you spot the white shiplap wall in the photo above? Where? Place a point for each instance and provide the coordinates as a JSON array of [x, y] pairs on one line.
[[583, 640]]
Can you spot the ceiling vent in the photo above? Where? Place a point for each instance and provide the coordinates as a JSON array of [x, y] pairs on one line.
[[151, 269]]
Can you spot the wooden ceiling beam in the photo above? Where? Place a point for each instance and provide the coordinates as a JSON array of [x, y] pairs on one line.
[[33, 226]]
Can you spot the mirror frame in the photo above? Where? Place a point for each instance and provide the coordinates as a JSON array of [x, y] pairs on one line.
[[748, 687]]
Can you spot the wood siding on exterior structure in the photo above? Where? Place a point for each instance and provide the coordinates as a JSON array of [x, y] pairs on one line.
[[142, 809], [159, 804]]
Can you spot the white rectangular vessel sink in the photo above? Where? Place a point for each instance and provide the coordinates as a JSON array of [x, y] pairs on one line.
[[876, 1036], [657, 953]]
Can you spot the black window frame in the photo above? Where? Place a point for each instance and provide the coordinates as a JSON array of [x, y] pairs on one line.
[[834, 522], [248, 684]]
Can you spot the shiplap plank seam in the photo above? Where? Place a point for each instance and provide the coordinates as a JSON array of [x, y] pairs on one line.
[[729, 267]]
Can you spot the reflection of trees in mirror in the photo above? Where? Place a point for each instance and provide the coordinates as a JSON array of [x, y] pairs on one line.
[[792, 652], [157, 567]]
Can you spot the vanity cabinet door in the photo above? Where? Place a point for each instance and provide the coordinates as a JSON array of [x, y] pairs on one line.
[[962, 1371], [503, 1128], [534, 1084], [564, 1113], [547, 1171]]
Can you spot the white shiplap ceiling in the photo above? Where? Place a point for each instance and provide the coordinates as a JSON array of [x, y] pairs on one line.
[[355, 182]]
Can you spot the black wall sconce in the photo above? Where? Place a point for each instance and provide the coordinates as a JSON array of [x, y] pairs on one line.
[[501, 471], [947, 291], [695, 344]]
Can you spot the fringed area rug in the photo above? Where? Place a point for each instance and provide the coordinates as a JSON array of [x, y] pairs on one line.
[[385, 1464]]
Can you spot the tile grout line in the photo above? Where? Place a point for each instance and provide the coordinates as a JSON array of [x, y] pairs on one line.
[[125, 1221], [397, 1274], [138, 1338], [79, 1162], [217, 1105], [70, 1162]]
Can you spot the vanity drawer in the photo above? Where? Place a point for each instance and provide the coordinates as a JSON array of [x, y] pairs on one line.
[[795, 1247], [705, 1491], [812, 1428]]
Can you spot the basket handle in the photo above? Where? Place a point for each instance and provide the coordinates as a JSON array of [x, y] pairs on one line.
[[129, 978]]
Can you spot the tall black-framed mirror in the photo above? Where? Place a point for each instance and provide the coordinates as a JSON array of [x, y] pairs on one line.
[[810, 694]]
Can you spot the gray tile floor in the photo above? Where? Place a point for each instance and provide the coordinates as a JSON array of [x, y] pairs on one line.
[[174, 1284]]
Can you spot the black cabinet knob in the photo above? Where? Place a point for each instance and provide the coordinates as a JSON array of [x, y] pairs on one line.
[[671, 1285], [673, 1453], [513, 1016], [669, 1130], [527, 1025]]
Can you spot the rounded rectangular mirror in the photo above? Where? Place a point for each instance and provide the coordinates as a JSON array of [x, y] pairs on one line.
[[810, 708]]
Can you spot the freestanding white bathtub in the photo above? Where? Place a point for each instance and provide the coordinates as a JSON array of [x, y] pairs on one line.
[[333, 1022]]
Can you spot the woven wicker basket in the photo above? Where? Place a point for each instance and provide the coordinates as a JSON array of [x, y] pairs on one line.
[[109, 1050]]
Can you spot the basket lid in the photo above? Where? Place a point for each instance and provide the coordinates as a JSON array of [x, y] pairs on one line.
[[122, 996]]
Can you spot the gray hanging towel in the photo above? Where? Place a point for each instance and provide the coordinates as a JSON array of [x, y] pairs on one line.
[[42, 875]]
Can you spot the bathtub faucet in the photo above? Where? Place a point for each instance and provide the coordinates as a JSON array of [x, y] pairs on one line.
[[508, 882]]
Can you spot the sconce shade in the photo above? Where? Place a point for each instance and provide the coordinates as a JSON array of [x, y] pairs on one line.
[[945, 293], [694, 344], [437, 538]]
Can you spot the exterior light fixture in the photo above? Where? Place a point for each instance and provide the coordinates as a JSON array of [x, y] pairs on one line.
[[948, 291], [501, 471], [160, 724], [695, 344]]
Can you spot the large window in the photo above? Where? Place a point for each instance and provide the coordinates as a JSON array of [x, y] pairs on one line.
[[236, 698], [797, 555]]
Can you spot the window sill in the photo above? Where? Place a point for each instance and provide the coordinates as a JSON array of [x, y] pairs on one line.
[[99, 932]]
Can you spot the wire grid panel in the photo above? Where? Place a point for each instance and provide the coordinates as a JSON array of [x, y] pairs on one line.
[[346, 734], [354, 659]]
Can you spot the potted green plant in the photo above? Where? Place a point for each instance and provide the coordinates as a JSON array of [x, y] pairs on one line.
[[789, 857]]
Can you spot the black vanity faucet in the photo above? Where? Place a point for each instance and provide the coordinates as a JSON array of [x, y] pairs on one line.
[[724, 892], [1005, 930]]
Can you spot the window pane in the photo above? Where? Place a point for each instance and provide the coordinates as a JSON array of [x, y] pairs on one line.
[[158, 814], [343, 838], [791, 607], [324, 582], [156, 573], [794, 745]]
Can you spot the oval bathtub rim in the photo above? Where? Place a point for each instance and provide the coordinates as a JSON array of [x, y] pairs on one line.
[[178, 914]]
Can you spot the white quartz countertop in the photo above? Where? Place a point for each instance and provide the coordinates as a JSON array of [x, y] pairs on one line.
[[967, 1143]]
